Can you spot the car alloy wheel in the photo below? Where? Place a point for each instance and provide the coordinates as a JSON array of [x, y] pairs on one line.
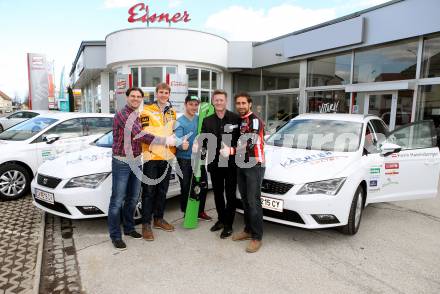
[[12, 183]]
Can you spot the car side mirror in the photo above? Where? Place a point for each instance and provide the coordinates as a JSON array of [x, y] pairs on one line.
[[389, 148], [49, 139]]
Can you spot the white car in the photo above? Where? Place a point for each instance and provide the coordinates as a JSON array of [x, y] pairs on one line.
[[25, 146], [17, 117], [78, 185], [323, 169]]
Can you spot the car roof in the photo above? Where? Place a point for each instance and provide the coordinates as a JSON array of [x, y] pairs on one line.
[[68, 115], [337, 116]]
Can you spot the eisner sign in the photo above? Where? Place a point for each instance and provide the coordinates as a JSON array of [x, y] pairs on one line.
[[141, 12]]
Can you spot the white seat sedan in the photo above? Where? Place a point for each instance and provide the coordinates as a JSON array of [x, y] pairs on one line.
[[78, 185], [323, 169], [17, 117], [25, 146]]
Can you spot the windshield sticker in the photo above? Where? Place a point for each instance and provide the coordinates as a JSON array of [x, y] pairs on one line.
[[393, 165], [321, 157]]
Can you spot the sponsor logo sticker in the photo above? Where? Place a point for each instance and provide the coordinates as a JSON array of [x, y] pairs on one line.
[[374, 170], [392, 165]]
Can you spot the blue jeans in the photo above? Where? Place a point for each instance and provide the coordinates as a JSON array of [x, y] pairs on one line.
[[249, 184], [125, 195], [154, 196]]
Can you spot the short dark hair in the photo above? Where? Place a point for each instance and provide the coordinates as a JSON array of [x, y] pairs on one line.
[[134, 89], [220, 92], [192, 98], [243, 94]]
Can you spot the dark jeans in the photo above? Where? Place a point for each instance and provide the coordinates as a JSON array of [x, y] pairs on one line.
[[154, 196], [249, 185], [185, 184], [224, 183], [125, 195]]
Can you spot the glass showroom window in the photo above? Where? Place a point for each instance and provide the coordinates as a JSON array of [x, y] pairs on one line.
[[147, 77], [201, 82], [431, 57], [247, 81], [280, 77], [428, 106], [386, 63], [329, 70], [328, 101]]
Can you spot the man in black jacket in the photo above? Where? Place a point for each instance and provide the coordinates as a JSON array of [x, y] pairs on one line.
[[224, 125]]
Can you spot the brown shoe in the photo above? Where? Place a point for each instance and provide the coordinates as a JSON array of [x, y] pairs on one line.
[[253, 246], [147, 232], [163, 225], [241, 236]]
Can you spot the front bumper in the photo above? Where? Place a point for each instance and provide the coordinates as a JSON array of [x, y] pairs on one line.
[[305, 211], [71, 203]]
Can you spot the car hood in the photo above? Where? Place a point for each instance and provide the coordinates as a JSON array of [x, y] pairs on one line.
[[298, 166], [92, 160]]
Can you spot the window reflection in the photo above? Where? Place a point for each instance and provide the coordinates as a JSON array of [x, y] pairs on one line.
[[386, 63], [327, 71]]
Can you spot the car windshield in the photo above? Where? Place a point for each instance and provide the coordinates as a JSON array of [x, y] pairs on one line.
[[315, 134], [27, 129], [105, 141]]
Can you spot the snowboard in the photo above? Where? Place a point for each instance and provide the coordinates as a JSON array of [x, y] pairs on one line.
[[191, 219]]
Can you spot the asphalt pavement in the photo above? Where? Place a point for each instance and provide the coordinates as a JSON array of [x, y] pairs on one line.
[[395, 251]]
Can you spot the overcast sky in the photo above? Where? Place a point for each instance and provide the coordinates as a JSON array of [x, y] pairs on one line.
[[56, 28]]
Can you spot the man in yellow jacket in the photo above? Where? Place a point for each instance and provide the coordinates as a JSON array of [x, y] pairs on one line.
[[157, 118]]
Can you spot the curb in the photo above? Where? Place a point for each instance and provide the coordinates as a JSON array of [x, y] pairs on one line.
[[37, 277]]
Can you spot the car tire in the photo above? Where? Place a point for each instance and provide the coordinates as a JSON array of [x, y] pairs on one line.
[[356, 210], [14, 181], [1, 129]]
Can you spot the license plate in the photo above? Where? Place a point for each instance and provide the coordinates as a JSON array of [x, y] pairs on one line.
[[44, 196], [272, 204]]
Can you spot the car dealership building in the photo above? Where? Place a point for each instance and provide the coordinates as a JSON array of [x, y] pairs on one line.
[[384, 61]]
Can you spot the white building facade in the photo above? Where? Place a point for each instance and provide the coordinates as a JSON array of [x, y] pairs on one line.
[[384, 61]]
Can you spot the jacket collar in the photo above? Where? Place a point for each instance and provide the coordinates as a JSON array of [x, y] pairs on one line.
[[247, 114]]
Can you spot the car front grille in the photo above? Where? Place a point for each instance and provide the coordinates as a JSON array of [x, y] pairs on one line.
[[47, 181], [274, 187]]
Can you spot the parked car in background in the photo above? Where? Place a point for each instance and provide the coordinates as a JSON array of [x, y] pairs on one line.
[[24, 147], [322, 170], [17, 117]]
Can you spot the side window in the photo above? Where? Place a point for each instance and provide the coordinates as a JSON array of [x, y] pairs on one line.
[[370, 140], [380, 129], [98, 125], [71, 128], [417, 135], [30, 115], [16, 115]]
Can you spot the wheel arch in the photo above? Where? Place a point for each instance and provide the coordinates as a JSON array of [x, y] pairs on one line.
[[22, 164]]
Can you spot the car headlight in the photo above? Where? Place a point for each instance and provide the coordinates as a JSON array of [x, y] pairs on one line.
[[328, 187], [89, 181]]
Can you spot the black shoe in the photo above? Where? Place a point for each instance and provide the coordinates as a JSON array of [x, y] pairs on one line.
[[217, 226], [134, 235], [119, 244], [227, 232]]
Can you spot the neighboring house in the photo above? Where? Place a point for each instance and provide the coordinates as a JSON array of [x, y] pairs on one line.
[[5, 103]]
